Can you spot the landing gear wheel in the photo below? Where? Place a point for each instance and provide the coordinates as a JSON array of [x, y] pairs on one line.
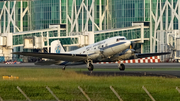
[[122, 67], [91, 67]]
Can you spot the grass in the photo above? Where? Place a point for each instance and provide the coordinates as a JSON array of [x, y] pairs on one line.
[[65, 84], [128, 69]]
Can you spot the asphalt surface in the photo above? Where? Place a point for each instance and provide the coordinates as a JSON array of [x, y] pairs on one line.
[[128, 65], [158, 69], [168, 74]]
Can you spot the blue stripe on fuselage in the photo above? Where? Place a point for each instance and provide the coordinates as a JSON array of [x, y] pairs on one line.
[[113, 45], [116, 44]]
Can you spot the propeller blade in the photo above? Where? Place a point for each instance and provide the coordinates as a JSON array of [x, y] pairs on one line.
[[135, 46]]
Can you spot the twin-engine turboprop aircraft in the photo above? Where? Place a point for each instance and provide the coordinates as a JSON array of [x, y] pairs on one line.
[[109, 50]]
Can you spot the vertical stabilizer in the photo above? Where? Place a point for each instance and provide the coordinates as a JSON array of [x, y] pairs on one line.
[[56, 47]]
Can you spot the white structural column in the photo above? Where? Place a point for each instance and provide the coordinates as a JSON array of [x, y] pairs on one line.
[[151, 14], [82, 19], [93, 21], [67, 25], [60, 10], [4, 27], [8, 10], [100, 12], [158, 18], [0, 18], [9, 13], [14, 22], [86, 17], [77, 13]]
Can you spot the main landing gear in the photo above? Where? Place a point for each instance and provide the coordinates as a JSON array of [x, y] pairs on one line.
[[121, 67], [64, 68], [90, 65]]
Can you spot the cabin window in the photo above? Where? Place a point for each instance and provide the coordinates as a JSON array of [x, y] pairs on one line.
[[120, 39], [102, 46]]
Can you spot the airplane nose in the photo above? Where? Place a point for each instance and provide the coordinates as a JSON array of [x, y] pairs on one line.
[[128, 43]]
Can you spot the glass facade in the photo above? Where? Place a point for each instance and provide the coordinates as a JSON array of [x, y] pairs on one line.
[[16, 16], [129, 34], [85, 15], [124, 12], [66, 41], [120, 13], [44, 12], [147, 10], [164, 17], [169, 13]]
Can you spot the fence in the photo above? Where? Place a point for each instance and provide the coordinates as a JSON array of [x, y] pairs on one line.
[[85, 94]]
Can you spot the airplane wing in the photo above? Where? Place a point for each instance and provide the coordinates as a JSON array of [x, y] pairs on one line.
[[56, 56], [139, 55]]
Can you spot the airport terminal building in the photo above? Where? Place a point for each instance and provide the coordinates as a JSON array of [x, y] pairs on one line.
[[31, 25]]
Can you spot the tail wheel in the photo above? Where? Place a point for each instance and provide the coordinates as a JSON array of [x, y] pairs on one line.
[[122, 67], [91, 67]]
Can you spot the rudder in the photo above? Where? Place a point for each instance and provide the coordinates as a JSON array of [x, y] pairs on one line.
[[56, 47]]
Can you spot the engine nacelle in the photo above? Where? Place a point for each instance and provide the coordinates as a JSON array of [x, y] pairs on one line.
[[108, 52], [127, 54], [93, 56]]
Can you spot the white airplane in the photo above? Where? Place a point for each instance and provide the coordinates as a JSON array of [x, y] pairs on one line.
[[109, 50]]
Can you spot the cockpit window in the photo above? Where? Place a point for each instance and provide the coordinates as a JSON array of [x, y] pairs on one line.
[[120, 39]]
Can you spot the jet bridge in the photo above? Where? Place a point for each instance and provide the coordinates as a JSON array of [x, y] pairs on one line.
[[6, 45], [169, 40]]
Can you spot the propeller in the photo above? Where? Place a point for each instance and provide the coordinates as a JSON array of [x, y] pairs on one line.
[[133, 52], [135, 47]]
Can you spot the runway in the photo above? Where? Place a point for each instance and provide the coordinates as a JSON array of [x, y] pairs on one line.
[[128, 65], [168, 74], [136, 69]]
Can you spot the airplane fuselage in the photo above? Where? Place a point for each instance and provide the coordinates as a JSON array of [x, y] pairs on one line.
[[104, 49]]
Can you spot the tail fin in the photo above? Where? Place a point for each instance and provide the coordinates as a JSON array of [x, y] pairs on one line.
[[56, 47]]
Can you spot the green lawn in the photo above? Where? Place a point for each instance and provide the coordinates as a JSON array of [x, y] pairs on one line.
[[127, 69], [64, 84]]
